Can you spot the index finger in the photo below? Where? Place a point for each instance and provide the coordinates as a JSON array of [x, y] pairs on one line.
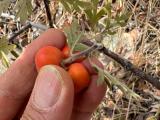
[[17, 82]]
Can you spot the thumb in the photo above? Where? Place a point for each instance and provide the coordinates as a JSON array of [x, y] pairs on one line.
[[52, 96]]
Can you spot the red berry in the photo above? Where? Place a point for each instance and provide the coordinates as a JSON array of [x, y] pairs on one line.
[[80, 76], [48, 55]]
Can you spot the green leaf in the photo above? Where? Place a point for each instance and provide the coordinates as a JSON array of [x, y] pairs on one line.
[[66, 5], [121, 19], [121, 86], [3, 41], [29, 6], [4, 5], [111, 32], [107, 23], [100, 13], [70, 1], [5, 46], [122, 23], [95, 3], [24, 8], [5, 61], [101, 77], [108, 8], [98, 16], [89, 14], [80, 47], [100, 71], [76, 7], [84, 5], [73, 34]]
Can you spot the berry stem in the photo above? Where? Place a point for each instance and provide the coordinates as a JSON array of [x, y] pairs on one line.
[[76, 56]]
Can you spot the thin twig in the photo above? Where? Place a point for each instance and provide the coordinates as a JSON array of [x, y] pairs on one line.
[[48, 12], [39, 26], [76, 56], [129, 104], [155, 81], [29, 25], [11, 39]]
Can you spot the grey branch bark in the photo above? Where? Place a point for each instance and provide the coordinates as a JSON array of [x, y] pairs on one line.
[[155, 81]]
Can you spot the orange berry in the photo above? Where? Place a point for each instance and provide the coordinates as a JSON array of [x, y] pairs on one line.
[[48, 55], [80, 76], [66, 51]]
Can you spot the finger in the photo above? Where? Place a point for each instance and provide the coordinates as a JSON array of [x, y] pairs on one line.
[[52, 96], [18, 81], [88, 64], [91, 97], [86, 103]]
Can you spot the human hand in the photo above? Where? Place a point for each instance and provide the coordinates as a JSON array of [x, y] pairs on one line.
[[49, 94]]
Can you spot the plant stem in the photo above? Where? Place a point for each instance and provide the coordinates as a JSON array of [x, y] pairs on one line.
[[11, 39], [48, 12], [29, 25], [76, 56], [39, 26], [155, 81]]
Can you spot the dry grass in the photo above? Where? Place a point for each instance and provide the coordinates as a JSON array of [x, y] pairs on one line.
[[139, 42]]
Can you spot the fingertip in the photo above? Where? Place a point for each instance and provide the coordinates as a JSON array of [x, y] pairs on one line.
[[53, 93], [60, 36], [66, 77], [52, 37], [96, 92], [92, 97]]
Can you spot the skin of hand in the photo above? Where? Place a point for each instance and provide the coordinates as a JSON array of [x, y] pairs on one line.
[[49, 94]]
